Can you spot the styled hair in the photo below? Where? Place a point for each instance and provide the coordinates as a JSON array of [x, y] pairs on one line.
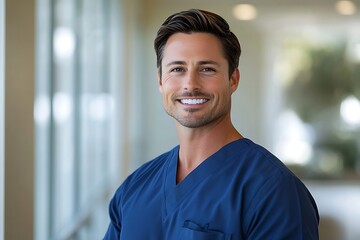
[[194, 21]]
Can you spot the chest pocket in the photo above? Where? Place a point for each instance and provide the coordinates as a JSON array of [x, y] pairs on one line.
[[194, 231]]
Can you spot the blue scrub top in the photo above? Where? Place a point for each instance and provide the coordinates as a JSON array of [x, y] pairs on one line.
[[240, 192]]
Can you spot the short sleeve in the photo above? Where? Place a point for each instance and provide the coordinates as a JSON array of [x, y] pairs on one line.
[[283, 208], [114, 229]]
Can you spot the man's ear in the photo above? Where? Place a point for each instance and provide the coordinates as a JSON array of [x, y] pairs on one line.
[[234, 80], [159, 80]]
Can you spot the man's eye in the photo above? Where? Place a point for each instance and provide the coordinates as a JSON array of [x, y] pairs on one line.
[[208, 69], [177, 69]]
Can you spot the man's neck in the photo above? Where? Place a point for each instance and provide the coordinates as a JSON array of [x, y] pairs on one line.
[[197, 144]]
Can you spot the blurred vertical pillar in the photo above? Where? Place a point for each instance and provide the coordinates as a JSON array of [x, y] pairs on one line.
[[19, 123], [2, 92]]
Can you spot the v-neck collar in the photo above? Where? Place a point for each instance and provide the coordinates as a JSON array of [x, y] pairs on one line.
[[175, 193]]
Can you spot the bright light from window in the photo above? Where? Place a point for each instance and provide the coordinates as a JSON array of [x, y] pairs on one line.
[[357, 52], [42, 110], [345, 7], [350, 110], [294, 151], [294, 141], [245, 12], [62, 107], [100, 107], [64, 43]]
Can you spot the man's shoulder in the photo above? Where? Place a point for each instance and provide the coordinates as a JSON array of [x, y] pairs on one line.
[[257, 165], [262, 158]]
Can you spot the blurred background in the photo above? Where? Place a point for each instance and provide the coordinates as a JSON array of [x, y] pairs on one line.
[[82, 108]]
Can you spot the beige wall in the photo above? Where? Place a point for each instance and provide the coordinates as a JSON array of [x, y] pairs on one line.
[[2, 92], [19, 125]]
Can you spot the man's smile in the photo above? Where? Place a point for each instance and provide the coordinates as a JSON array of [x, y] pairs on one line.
[[193, 101]]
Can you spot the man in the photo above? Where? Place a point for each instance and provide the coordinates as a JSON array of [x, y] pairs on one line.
[[216, 184]]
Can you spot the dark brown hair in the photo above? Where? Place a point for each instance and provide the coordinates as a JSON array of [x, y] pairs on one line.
[[196, 20]]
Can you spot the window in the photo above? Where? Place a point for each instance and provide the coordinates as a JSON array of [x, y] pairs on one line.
[[76, 114], [318, 122]]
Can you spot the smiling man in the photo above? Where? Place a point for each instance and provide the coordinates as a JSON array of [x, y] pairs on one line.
[[216, 184]]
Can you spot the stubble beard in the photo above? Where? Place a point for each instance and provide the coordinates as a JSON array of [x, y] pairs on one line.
[[193, 121]]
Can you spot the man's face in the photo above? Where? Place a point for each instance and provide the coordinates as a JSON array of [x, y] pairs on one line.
[[195, 82]]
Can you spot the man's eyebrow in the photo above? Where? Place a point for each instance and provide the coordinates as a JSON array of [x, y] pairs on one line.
[[176, 63], [205, 62], [208, 62]]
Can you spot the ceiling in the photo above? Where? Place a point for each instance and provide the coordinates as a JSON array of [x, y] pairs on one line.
[[269, 10]]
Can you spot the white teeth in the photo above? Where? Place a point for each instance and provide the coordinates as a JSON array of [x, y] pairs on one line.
[[193, 101]]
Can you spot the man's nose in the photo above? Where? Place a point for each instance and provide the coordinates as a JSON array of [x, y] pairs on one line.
[[191, 81]]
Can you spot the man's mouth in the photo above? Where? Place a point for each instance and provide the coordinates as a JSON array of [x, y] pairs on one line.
[[193, 101]]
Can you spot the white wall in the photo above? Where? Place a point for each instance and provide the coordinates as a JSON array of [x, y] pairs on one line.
[[339, 206]]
